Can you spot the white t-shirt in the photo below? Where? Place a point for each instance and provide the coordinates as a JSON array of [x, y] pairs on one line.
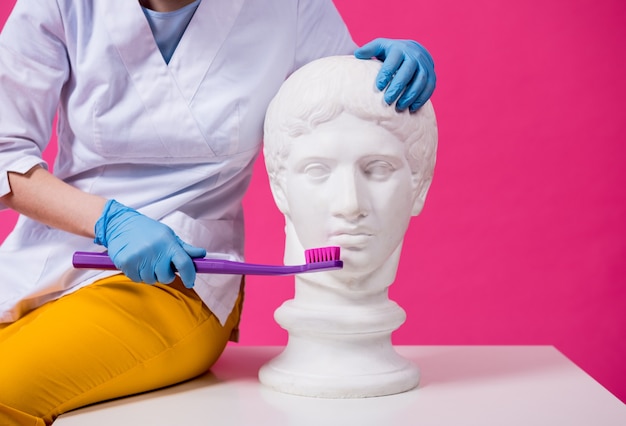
[[168, 27]]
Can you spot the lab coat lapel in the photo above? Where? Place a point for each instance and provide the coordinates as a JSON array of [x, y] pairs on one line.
[[201, 42], [163, 101]]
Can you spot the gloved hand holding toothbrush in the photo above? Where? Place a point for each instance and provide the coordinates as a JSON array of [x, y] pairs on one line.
[[143, 248]]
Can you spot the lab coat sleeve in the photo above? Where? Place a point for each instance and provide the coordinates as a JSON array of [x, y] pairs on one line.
[[33, 68], [321, 32]]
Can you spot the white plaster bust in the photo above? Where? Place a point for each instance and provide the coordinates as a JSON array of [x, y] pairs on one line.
[[346, 170]]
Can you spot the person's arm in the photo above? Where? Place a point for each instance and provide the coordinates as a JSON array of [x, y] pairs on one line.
[[43, 197], [321, 32], [34, 68], [143, 248]]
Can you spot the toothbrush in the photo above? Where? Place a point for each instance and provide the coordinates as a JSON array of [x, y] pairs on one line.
[[317, 259]]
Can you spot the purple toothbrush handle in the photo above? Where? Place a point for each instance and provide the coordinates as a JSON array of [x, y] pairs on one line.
[[91, 260]]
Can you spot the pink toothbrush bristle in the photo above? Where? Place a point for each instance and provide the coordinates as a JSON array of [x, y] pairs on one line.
[[322, 254]]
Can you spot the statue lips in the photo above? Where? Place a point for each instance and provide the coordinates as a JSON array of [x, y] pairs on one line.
[[351, 238]]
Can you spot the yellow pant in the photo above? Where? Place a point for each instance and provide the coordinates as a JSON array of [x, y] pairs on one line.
[[110, 339]]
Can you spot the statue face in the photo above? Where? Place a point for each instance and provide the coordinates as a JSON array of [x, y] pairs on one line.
[[348, 184]]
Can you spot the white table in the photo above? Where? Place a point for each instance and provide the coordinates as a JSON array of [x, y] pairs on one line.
[[460, 385]]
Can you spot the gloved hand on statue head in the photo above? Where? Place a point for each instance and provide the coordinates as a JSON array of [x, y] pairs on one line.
[[143, 248], [408, 71]]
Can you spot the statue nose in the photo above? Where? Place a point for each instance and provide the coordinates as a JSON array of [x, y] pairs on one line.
[[350, 199]]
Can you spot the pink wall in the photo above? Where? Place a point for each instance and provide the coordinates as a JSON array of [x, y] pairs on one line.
[[523, 238]]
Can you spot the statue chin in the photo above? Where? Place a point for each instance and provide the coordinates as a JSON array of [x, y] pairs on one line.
[[362, 274]]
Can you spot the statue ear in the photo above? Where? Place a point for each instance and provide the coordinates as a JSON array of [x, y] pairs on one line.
[[421, 187]]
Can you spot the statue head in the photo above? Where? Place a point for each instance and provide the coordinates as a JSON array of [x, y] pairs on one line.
[[345, 168]]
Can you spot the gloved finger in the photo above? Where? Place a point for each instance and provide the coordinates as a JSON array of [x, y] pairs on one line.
[[373, 49], [127, 265], [185, 267], [388, 70], [425, 54], [426, 93], [192, 251], [164, 271], [413, 90], [146, 272], [401, 85], [131, 272]]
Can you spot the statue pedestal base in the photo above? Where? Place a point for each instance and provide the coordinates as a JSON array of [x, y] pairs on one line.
[[340, 352]]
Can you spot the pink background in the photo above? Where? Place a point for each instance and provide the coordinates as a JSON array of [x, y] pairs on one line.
[[522, 241]]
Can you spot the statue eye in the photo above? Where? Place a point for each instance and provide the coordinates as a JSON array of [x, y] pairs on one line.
[[379, 169], [316, 171]]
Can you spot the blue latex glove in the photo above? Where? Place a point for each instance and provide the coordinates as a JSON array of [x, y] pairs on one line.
[[408, 71], [144, 249]]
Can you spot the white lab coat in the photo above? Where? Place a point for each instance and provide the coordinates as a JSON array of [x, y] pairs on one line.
[[177, 142]]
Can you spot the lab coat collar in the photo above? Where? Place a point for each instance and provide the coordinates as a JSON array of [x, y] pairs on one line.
[[201, 42], [176, 84]]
